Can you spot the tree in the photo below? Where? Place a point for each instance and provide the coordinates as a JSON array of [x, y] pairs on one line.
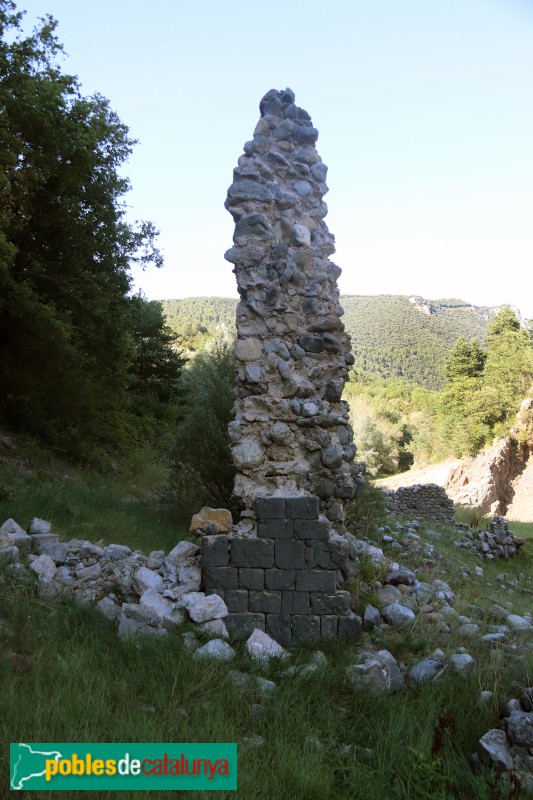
[[66, 335], [509, 364], [157, 362], [204, 466], [467, 359]]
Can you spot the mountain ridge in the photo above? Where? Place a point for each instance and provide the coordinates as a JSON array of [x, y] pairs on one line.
[[393, 336]]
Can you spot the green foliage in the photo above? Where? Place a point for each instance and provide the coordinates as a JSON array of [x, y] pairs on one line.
[[195, 320], [391, 337], [395, 338], [156, 362], [470, 515], [72, 351], [204, 470], [467, 359], [485, 388], [368, 511]]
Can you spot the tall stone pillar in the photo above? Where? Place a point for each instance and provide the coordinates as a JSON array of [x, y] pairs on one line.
[[290, 434]]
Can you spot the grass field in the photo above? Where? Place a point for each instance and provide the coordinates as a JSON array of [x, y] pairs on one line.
[[73, 680]]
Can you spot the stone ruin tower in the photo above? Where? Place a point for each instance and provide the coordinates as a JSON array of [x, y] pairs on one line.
[[290, 434], [281, 569]]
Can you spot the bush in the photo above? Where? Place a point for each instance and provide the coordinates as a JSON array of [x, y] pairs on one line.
[[204, 471], [469, 515], [368, 511]]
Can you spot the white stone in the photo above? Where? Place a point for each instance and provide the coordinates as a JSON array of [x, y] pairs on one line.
[[10, 526], [424, 671], [301, 235], [378, 673], [248, 453], [170, 615], [181, 552], [398, 616], [190, 576], [108, 608], [262, 647], [145, 579], [214, 627], [142, 614], [216, 649], [518, 624], [203, 609], [44, 568], [493, 747], [40, 526], [461, 663]]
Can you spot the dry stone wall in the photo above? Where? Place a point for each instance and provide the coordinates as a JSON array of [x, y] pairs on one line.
[[426, 500], [290, 433]]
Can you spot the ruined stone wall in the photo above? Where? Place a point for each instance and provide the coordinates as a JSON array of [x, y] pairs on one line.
[[426, 500], [283, 581], [290, 433]]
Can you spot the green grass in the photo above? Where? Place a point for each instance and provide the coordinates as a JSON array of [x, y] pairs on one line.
[[522, 529], [86, 685], [121, 507]]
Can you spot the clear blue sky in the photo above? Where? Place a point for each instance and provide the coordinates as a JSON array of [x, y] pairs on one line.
[[424, 112]]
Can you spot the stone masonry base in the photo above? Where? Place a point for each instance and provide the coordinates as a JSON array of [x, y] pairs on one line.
[[283, 581]]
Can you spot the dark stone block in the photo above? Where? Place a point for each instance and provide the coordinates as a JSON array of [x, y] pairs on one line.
[[295, 603], [236, 600], [275, 529], [270, 508], [252, 553], [280, 579], [305, 628], [350, 628], [315, 581], [328, 626], [311, 344], [338, 603], [240, 626], [302, 507], [220, 578], [265, 602], [319, 555], [311, 529], [252, 579], [215, 552], [289, 555], [279, 627], [325, 488]]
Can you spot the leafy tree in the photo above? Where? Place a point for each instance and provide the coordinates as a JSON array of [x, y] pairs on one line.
[[509, 364], [204, 466], [66, 327]]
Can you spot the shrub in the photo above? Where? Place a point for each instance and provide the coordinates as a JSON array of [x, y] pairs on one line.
[[368, 511]]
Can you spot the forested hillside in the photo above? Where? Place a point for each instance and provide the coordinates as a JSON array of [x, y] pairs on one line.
[[393, 336]]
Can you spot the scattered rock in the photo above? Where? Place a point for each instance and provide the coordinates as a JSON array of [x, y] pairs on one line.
[[216, 650], [262, 647], [378, 673]]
